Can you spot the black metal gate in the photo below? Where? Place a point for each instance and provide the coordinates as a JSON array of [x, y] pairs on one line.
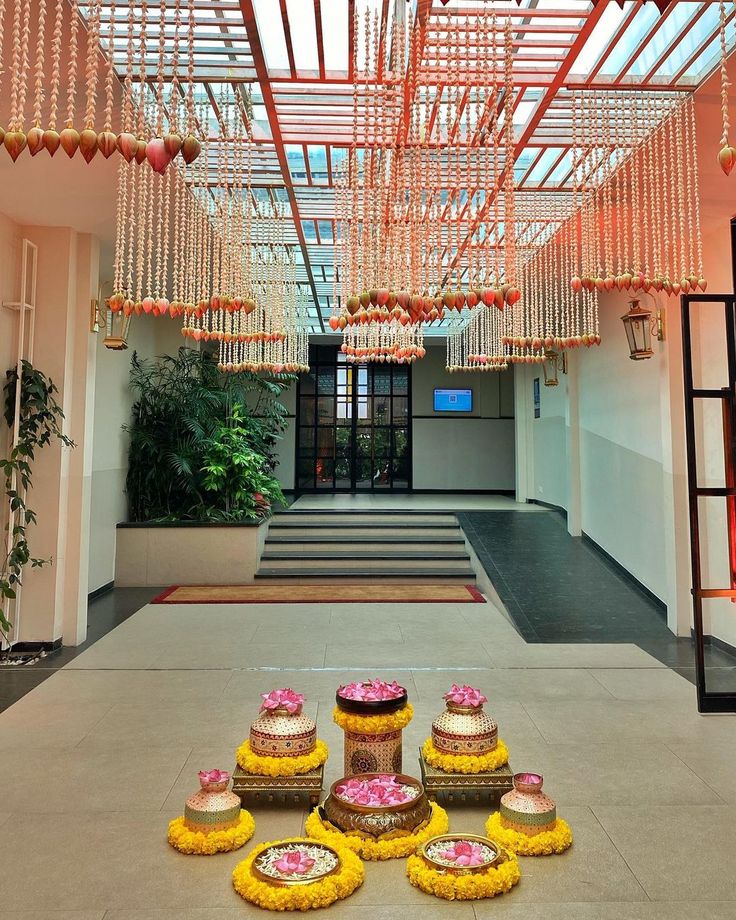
[[709, 355]]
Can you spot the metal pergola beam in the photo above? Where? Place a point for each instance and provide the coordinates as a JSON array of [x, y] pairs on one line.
[[254, 40]]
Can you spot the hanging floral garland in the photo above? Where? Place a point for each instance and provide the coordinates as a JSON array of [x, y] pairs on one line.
[[466, 763], [322, 829], [298, 874], [556, 840], [727, 153]]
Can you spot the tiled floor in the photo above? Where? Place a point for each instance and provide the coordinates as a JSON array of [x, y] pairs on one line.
[[98, 757], [558, 589]]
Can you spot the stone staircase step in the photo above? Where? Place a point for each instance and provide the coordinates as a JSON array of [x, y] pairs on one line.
[[358, 575]]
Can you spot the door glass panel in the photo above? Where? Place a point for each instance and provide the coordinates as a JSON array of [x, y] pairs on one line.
[[306, 442], [381, 474], [306, 411], [381, 410], [401, 381], [353, 425], [326, 411], [401, 410], [364, 443], [325, 469], [326, 381], [363, 474], [305, 474], [325, 442], [381, 442]]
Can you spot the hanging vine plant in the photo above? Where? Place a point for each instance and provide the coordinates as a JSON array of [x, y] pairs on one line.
[[40, 424]]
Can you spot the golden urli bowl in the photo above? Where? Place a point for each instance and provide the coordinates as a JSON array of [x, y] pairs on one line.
[[378, 822]]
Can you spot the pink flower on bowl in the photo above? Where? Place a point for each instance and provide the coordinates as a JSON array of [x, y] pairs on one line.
[[372, 691], [465, 696], [285, 698], [213, 777], [294, 862], [464, 853], [378, 792]]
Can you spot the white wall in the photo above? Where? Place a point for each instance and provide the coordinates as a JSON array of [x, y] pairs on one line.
[[468, 452], [149, 336]]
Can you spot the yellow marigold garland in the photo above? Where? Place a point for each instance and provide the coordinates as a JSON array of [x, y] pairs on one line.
[[496, 880], [186, 841], [320, 893], [373, 725], [465, 763], [397, 848], [261, 765], [557, 840]]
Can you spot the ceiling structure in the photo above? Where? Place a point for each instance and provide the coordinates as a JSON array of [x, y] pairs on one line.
[[293, 60]]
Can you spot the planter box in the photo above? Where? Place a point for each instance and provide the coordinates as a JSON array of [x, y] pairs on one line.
[[187, 553]]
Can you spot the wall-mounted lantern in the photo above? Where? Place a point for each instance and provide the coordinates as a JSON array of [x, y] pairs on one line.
[[640, 324], [553, 365]]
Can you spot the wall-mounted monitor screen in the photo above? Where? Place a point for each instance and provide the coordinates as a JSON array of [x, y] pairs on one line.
[[453, 400]]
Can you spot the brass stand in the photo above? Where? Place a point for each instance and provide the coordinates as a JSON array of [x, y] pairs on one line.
[[467, 787], [279, 788]]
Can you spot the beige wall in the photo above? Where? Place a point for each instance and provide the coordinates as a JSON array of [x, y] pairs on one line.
[[149, 336]]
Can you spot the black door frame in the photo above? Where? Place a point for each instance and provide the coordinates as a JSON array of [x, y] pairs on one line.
[[354, 428], [709, 700]]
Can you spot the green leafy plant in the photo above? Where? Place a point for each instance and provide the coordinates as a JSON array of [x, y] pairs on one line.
[[39, 424], [236, 474], [184, 411]]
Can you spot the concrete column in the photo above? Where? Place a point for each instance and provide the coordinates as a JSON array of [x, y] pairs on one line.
[[676, 529], [523, 433], [572, 447], [53, 602]]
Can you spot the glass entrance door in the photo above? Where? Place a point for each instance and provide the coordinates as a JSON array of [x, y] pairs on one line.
[[354, 425]]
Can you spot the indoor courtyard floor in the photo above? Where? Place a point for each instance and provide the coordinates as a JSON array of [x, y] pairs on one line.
[[100, 755]]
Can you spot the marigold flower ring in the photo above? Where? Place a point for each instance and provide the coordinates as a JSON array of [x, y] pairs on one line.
[[394, 848], [546, 843], [263, 765], [460, 867], [298, 873], [465, 763], [206, 844], [390, 722]]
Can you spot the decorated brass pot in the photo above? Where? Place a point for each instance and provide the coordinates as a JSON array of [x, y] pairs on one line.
[[379, 822], [464, 728], [372, 752], [213, 807], [299, 862], [284, 730], [526, 808], [462, 854]]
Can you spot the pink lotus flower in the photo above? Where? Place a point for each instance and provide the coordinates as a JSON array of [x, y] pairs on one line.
[[294, 862], [465, 696], [285, 697], [464, 853], [372, 690], [380, 791], [213, 777]]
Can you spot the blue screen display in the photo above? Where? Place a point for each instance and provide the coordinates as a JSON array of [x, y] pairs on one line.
[[453, 400]]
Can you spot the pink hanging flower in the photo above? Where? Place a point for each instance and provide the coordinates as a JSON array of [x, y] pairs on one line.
[[464, 853], [285, 697], [213, 777], [294, 862], [465, 696]]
